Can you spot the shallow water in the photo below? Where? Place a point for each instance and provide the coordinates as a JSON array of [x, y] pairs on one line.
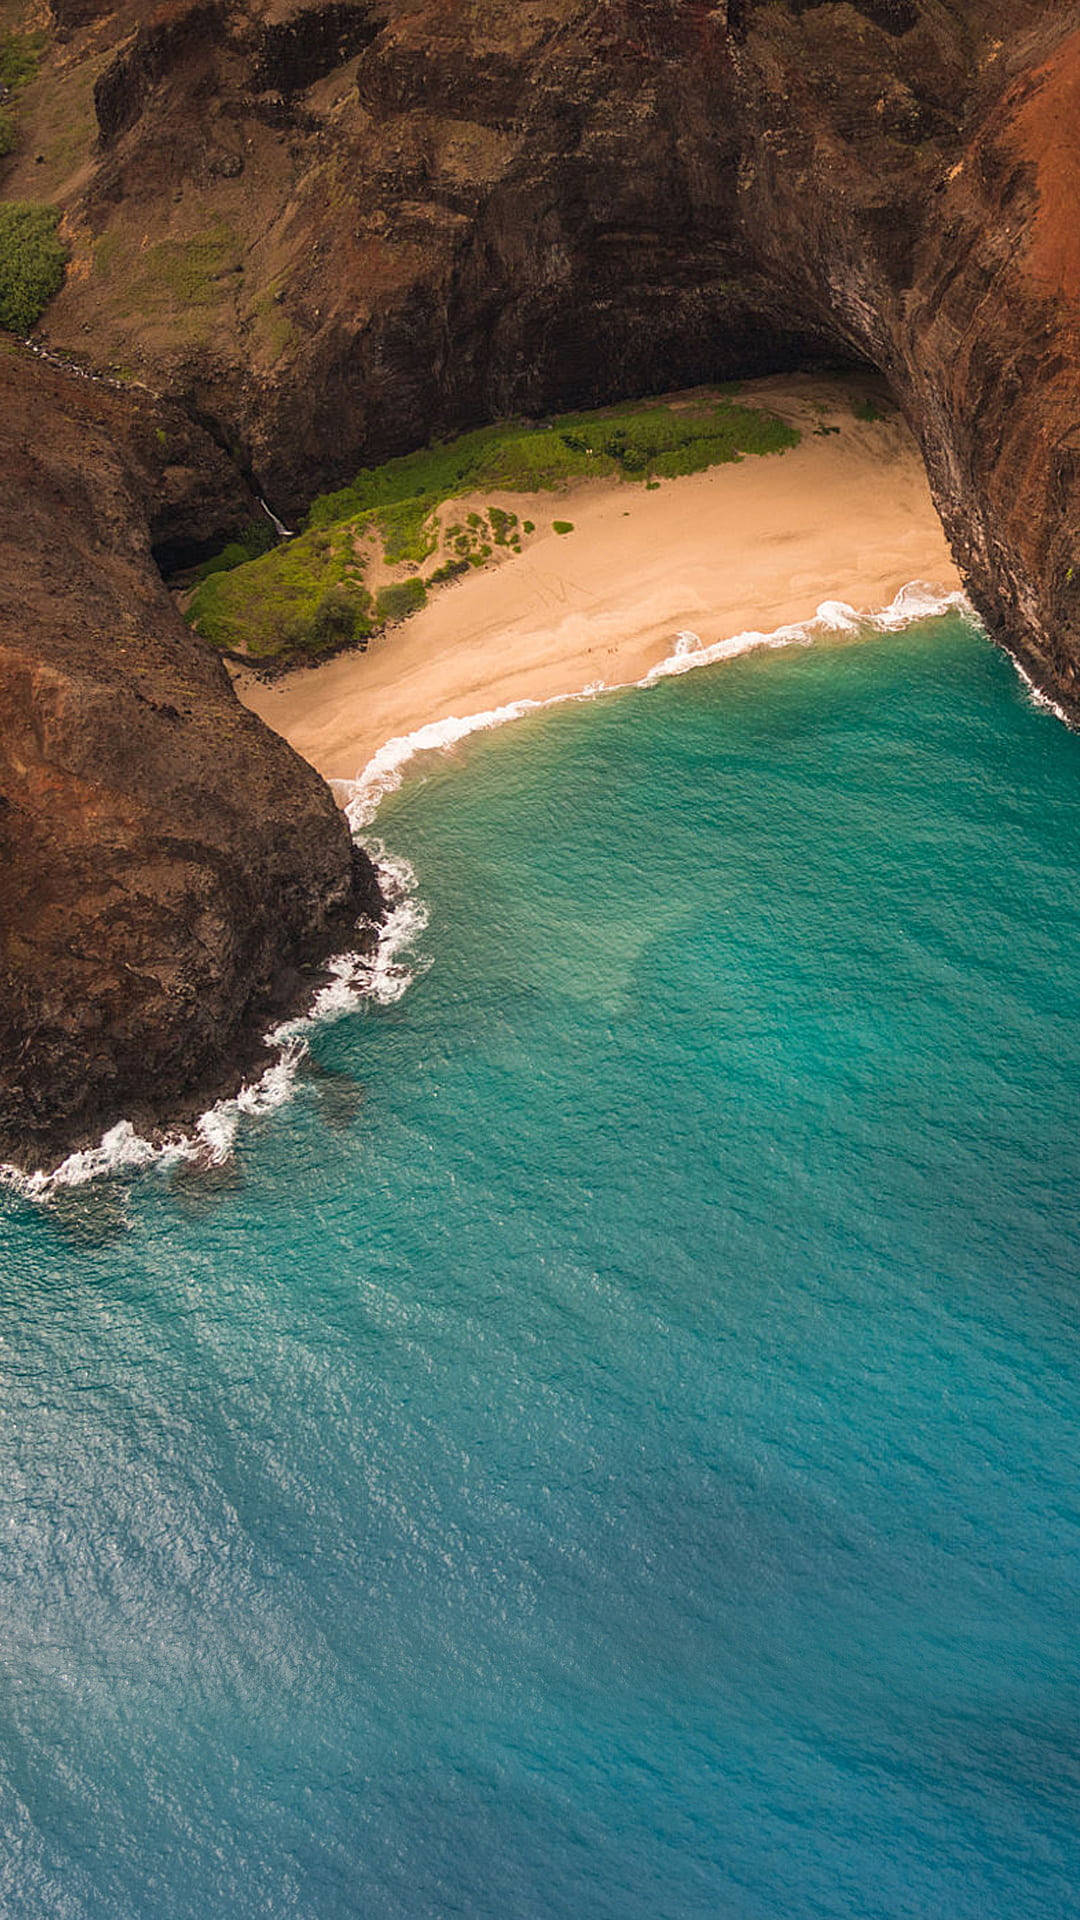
[[609, 1446]]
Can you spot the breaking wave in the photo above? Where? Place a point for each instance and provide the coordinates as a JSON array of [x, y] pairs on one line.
[[384, 773], [1037, 697], [384, 975], [381, 976]]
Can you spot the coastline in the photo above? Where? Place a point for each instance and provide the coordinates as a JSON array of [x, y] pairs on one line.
[[768, 551], [751, 547]]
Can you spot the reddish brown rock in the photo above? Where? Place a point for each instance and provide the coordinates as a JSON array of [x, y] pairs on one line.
[[168, 864], [322, 231]]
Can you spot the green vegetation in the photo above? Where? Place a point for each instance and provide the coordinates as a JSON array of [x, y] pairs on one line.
[[450, 570], [32, 261], [647, 438], [340, 618], [396, 602], [177, 279], [20, 55], [299, 598], [275, 330], [869, 411], [278, 604], [504, 527], [9, 136], [409, 532]]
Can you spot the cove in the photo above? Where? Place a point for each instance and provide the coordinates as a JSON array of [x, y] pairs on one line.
[[610, 1445]]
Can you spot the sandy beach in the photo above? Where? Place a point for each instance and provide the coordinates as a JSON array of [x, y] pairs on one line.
[[845, 515]]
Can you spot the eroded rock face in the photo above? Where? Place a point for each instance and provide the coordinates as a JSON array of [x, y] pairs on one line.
[[168, 864], [399, 217], [323, 231]]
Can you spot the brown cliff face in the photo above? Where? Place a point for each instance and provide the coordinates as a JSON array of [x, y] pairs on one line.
[[167, 862], [334, 228], [327, 230]]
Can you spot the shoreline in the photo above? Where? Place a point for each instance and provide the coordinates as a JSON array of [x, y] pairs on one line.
[[777, 549], [752, 547]]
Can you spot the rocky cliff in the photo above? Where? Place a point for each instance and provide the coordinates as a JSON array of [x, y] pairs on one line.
[[168, 864], [320, 231]]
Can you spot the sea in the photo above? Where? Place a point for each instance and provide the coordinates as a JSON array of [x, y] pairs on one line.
[[597, 1436]]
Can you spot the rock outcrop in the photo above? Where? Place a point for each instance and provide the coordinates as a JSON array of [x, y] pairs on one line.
[[168, 864], [321, 231], [374, 220]]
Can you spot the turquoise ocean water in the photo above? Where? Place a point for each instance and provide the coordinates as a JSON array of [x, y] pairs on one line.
[[609, 1446]]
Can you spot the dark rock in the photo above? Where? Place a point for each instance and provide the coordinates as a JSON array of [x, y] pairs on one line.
[[513, 207], [170, 867], [294, 52]]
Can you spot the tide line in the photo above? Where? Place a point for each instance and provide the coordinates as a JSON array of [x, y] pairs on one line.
[[384, 975], [385, 771], [381, 976]]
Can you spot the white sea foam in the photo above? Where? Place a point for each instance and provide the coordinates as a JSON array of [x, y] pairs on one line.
[[381, 976], [1037, 697], [384, 975], [385, 771]]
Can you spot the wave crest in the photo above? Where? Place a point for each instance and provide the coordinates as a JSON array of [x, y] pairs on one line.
[[381, 976], [384, 975], [385, 771]]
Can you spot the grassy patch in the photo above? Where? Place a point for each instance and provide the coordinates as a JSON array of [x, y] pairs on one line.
[[409, 531], [9, 134], [868, 411], [20, 56], [562, 526], [275, 331], [529, 459], [175, 276], [32, 261], [396, 602], [288, 601]]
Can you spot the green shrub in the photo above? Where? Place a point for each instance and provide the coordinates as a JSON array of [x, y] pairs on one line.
[[20, 54], [32, 261], [340, 618], [396, 602], [450, 570], [528, 526], [868, 411], [9, 135], [562, 526], [502, 525]]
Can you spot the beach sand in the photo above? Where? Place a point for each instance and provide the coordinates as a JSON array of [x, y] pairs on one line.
[[754, 545]]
